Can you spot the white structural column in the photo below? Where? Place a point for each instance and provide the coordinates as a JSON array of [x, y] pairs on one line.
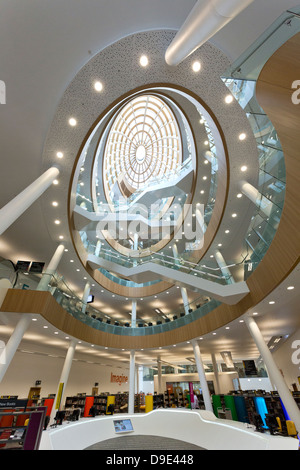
[[283, 390], [51, 269], [85, 296], [134, 303], [223, 266], [137, 379], [63, 380], [13, 344], [17, 206], [205, 20], [133, 314], [202, 378], [131, 382], [141, 378], [183, 290], [265, 205], [216, 372]]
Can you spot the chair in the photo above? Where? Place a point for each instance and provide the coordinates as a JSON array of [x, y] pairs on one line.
[[75, 415], [159, 322], [291, 429], [175, 317]]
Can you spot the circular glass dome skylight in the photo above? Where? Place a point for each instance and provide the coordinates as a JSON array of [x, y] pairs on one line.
[[144, 144]]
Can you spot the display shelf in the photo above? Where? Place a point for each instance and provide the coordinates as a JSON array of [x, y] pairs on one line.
[[100, 403], [26, 437], [158, 400]]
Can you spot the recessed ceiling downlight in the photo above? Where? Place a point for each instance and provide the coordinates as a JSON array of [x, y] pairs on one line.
[[229, 99], [196, 66], [144, 61], [98, 86], [72, 122]]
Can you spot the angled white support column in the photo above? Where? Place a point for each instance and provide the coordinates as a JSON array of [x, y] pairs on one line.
[[205, 20], [13, 344], [63, 380], [13, 209], [85, 296], [223, 266], [264, 204], [202, 378], [216, 372], [283, 390], [131, 382], [51, 269], [183, 290]]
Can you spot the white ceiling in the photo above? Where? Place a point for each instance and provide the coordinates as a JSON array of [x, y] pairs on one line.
[[43, 45]]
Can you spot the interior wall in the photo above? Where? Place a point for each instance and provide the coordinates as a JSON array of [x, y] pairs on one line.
[[225, 380], [287, 359], [26, 368]]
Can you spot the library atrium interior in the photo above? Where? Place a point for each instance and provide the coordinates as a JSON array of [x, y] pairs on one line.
[[149, 224]]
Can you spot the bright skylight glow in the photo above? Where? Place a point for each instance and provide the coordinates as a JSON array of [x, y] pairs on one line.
[[144, 143]]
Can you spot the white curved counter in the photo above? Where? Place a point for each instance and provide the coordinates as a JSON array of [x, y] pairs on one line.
[[200, 428]]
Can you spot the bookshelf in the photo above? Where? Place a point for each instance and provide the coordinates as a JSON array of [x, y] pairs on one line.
[[100, 403]]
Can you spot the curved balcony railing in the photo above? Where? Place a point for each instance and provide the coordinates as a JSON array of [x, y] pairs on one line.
[[99, 320]]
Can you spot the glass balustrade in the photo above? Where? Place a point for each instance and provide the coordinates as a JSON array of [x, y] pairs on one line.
[[272, 175]]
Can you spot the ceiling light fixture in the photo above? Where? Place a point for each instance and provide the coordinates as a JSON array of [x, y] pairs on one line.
[[144, 61], [57, 222], [54, 204], [242, 136], [98, 86], [234, 215], [72, 122], [59, 155], [197, 66], [229, 99], [244, 168], [239, 195]]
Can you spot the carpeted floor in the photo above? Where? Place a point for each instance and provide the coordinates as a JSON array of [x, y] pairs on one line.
[[143, 443]]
